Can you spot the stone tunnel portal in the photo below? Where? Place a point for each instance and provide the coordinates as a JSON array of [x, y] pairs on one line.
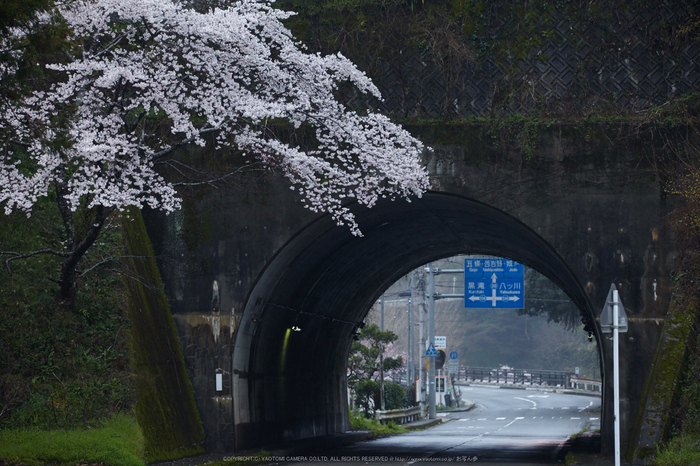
[[290, 355]]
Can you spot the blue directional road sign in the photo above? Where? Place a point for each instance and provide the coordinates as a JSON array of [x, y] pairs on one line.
[[453, 354], [493, 283]]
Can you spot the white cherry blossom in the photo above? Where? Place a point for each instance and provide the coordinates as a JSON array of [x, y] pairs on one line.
[[149, 76]]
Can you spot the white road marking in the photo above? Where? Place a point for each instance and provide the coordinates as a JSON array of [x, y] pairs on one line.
[[500, 419], [575, 418], [583, 408], [534, 403], [511, 422]]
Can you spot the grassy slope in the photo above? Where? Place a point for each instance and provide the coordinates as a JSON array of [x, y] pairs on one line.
[[116, 442]]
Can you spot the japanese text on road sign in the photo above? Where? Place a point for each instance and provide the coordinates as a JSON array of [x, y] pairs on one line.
[[493, 283]]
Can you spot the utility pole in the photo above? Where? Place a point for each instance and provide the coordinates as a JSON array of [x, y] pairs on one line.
[[431, 339], [421, 330]]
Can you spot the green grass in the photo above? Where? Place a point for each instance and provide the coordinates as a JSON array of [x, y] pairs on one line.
[[681, 451], [118, 442]]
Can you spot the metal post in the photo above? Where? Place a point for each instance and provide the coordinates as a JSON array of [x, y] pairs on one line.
[[381, 363], [616, 375], [431, 339], [410, 377]]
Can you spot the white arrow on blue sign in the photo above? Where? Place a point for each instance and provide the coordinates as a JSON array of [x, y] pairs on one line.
[[431, 352], [453, 354], [493, 283]]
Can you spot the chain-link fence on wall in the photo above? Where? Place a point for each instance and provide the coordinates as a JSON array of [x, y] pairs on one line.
[[628, 61]]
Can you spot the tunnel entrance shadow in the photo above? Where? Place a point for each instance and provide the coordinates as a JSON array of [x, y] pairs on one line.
[[292, 344]]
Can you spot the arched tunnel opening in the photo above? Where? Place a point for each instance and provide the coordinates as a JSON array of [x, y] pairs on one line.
[[535, 347], [290, 355], [535, 338]]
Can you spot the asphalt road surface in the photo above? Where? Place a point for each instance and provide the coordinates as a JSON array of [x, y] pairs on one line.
[[506, 426]]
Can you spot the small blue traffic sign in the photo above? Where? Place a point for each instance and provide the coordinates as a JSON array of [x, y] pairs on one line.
[[431, 352], [453, 354]]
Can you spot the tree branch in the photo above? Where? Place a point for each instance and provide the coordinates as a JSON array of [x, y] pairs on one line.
[[184, 142], [108, 260], [207, 180], [61, 183], [18, 256], [132, 128]]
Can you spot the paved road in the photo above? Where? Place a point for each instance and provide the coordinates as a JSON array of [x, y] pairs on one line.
[[511, 426]]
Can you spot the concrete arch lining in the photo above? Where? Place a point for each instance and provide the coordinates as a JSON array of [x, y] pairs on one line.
[[291, 384]]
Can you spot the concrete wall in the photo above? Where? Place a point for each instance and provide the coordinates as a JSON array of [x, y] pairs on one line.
[[242, 267]]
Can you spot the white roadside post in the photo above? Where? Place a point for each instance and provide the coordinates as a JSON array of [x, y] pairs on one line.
[[613, 320], [616, 375]]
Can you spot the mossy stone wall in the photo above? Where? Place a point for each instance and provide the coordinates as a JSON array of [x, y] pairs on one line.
[[165, 406], [653, 421]]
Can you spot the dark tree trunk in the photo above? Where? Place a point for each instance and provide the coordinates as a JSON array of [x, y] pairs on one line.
[[78, 243], [67, 280]]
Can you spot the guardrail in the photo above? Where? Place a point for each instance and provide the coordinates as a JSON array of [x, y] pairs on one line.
[[513, 376], [591, 385], [399, 416]]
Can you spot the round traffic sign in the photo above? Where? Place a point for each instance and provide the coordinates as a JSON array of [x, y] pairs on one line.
[[453, 354]]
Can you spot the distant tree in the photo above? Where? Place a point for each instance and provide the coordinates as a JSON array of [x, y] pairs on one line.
[[367, 393], [364, 361], [143, 78], [546, 299]]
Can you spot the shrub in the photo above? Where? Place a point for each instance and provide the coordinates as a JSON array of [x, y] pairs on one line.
[[683, 450], [368, 392]]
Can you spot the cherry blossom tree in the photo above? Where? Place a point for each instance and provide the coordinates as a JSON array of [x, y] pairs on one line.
[[147, 77]]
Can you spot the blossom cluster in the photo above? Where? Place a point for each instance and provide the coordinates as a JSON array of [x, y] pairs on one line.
[[229, 71]]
